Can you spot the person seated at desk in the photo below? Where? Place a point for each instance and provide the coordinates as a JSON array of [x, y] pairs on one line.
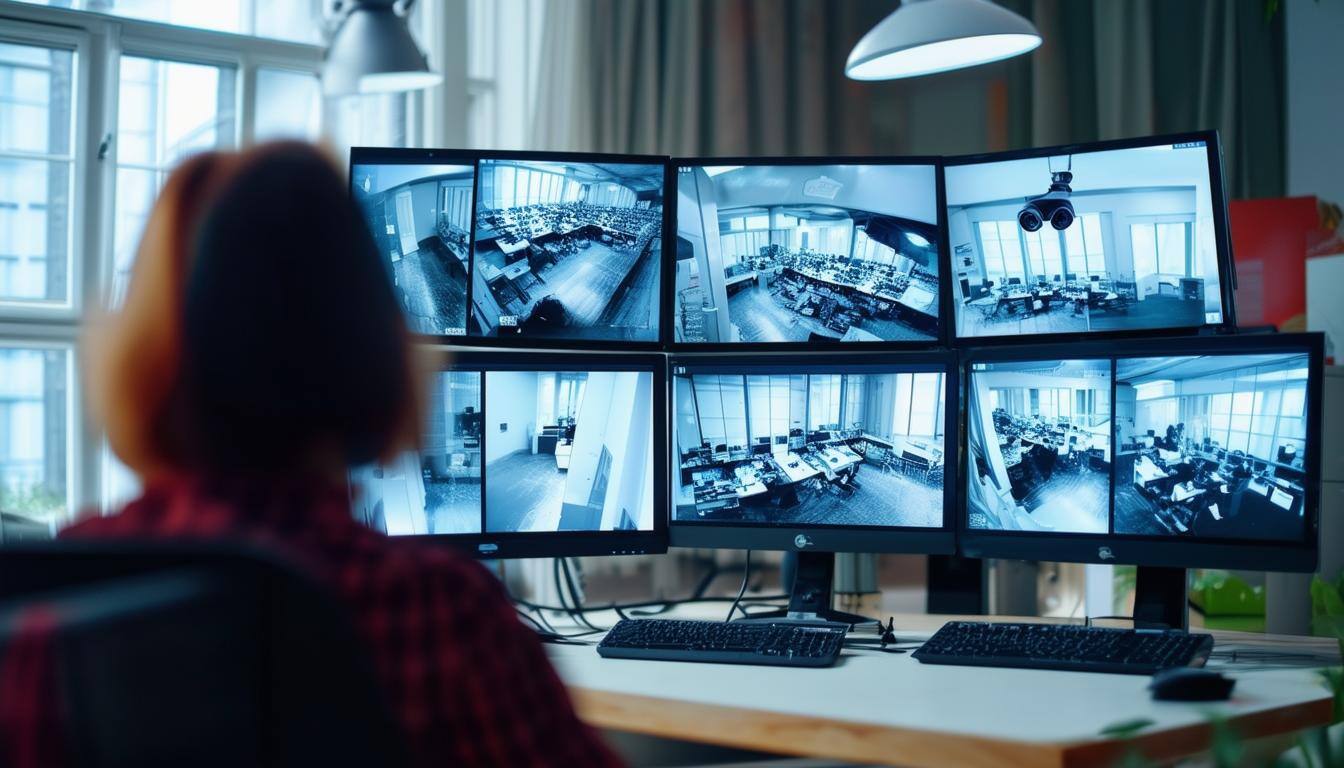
[[259, 355]]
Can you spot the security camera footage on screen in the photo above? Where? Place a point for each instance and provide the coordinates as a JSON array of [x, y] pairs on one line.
[[558, 451], [797, 253], [1211, 447], [844, 449], [420, 216], [1205, 447], [1100, 241], [1039, 446], [568, 250]]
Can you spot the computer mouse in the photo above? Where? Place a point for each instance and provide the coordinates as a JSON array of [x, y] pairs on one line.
[[1191, 684]]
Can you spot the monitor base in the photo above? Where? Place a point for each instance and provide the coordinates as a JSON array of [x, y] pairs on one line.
[[1160, 598], [811, 595]]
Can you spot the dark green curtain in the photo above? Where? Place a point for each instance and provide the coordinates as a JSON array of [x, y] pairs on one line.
[[1117, 68], [727, 77]]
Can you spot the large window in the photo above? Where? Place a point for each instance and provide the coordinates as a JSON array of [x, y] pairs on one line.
[[1086, 252], [1162, 248], [1002, 249], [96, 109], [36, 164], [1044, 255], [167, 111], [34, 440]]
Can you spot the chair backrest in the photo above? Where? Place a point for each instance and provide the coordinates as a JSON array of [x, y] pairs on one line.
[[197, 655]]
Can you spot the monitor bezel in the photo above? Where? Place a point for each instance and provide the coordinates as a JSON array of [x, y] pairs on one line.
[[486, 545], [372, 155], [1165, 551], [1222, 238], [938, 341], [791, 537]]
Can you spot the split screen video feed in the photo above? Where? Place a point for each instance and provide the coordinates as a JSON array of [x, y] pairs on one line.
[[522, 452]]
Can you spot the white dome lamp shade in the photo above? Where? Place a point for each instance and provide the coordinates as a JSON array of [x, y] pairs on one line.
[[922, 37], [372, 50]]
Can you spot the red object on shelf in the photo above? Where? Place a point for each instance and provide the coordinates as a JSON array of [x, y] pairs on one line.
[[1269, 243]]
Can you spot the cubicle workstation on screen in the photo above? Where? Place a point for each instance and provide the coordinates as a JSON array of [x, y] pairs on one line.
[[807, 444], [799, 251], [1212, 446], [536, 453], [1039, 444], [1114, 237], [568, 247], [1199, 451], [418, 207]]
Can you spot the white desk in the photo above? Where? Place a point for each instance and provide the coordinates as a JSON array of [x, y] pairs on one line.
[[794, 468], [878, 708]]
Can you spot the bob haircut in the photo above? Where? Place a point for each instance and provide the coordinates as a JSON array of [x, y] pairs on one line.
[[259, 333]]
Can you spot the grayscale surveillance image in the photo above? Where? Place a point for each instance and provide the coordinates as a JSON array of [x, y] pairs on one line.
[[568, 451], [439, 490], [1113, 240], [420, 216], [844, 449], [1211, 446], [568, 250], [1039, 446], [798, 253]]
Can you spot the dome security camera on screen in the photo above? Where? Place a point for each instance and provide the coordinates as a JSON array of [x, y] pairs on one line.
[[1110, 240]]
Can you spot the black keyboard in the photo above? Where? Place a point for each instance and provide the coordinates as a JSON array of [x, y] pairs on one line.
[[1064, 646], [734, 642]]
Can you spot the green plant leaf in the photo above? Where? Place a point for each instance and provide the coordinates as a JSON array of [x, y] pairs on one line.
[[1126, 728]]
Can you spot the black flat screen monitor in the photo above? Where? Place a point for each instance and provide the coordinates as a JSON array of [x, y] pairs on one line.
[[418, 205], [794, 252], [568, 248], [532, 455], [858, 456], [1138, 229], [1192, 452]]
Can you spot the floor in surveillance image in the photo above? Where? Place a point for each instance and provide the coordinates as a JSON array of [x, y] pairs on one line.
[[439, 490], [568, 451], [797, 253], [420, 216], [568, 250], [1211, 446], [809, 449], [1099, 241], [1039, 446]]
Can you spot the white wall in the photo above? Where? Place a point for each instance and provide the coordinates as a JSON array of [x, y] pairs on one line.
[[510, 398], [908, 192], [616, 415]]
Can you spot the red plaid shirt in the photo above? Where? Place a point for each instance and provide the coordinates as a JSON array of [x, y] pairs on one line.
[[468, 681]]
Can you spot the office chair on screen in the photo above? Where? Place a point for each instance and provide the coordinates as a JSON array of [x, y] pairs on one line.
[[207, 656]]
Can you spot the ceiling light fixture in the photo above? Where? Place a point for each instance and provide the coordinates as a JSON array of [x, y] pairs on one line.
[[372, 50], [923, 37]]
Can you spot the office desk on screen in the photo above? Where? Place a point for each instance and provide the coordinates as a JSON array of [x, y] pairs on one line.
[[875, 708]]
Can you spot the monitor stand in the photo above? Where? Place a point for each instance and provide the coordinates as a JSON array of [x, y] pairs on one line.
[[811, 596], [1160, 599]]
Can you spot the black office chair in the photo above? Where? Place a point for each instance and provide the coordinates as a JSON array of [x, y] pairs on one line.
[[191, 655]]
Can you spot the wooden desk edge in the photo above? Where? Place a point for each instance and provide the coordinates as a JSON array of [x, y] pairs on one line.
[[872, 743]]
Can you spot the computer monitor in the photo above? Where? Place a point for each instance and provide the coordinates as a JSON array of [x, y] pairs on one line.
[[568, 248], [417, 204], [1121, 496], [563, 464], [794, 252], [1143, 222], [887, 487]]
